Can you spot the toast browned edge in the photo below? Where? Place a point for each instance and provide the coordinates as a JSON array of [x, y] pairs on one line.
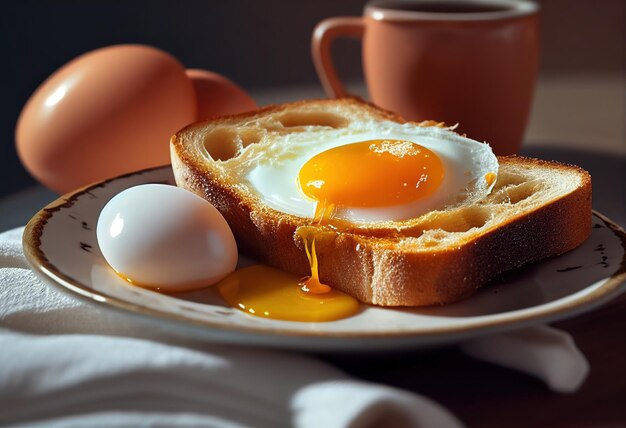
[[371, 268]]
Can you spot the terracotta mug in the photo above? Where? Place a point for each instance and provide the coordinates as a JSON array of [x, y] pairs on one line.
[[470, 62]]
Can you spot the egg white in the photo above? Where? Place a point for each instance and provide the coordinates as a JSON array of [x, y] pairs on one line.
[[465, 161]]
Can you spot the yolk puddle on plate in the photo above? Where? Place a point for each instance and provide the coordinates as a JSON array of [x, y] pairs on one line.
[[272, 293]]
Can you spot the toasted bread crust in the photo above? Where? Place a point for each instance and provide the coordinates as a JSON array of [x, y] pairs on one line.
[[369, 265]]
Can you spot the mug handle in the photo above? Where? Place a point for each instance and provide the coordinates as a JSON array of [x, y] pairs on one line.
[[323, 35]]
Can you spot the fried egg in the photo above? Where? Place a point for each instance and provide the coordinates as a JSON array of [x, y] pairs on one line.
[[373, 171]]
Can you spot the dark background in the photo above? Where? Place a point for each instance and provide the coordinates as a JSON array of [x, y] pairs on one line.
[[258, 44]]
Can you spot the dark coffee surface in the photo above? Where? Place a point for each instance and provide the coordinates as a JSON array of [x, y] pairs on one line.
[[446, 7]]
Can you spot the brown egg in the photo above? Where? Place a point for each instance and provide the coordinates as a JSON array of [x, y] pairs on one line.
[[217, 95], [107, 112]]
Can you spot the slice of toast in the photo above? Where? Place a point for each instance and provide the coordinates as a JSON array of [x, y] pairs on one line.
[[536, 209]]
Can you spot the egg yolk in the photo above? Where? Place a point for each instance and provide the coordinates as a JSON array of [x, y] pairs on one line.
[[271, 293], [373, 173]]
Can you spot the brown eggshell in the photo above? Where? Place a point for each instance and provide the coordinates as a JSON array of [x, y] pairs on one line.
[[217, 95], [107, 112]]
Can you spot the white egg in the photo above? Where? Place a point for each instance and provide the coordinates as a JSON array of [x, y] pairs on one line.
[[166, 238], [466, 164]]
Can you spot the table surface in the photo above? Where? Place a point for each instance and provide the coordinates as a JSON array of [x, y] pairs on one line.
[[479, 393]]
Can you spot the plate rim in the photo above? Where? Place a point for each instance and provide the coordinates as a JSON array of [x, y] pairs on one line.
[[31, 243]]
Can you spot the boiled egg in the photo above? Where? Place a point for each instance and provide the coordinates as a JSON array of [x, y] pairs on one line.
[[373, 171], [165, 238]]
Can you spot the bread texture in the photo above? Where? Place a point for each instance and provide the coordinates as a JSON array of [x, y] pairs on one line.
[[536, 209]]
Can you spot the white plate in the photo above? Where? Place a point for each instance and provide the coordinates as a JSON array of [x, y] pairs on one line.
[[60, 243]]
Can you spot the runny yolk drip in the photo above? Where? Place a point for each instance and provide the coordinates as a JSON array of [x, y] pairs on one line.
[[490, 178], [271, 293], [312, 284]]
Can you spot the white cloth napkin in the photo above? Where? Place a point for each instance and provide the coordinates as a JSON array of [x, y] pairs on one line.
[[65, 363]]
